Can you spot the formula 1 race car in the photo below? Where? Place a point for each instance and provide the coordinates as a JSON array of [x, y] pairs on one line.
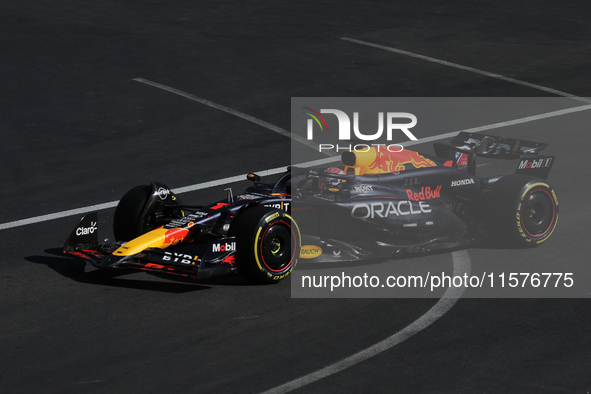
[[251, 233], [380, 204], [385, 203]]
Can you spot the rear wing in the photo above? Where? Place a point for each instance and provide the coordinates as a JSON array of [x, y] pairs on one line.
[[465, 147]]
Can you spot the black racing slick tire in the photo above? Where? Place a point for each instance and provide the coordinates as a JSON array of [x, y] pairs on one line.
[[522, 210], [140, 211], [267, 244], [128, 213]]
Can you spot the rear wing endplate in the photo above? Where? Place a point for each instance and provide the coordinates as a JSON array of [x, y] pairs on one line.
[[536, 166], [465, 147]]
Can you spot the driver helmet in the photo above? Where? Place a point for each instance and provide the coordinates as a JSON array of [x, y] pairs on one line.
[[331, 183]]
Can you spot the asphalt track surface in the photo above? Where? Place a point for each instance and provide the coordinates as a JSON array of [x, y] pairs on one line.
[[78, 130]]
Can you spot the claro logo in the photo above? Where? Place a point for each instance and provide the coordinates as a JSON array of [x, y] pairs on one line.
[[87, 230], [392, 121]]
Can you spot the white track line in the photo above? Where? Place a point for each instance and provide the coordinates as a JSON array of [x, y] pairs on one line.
[[461, 263], [230, 111], [461, 259], [83, 210], [57, 215], [470, 130], [278, 170], [466, 68]]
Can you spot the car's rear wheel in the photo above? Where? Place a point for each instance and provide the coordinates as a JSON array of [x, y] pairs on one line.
[[268, 244], [522, 210]]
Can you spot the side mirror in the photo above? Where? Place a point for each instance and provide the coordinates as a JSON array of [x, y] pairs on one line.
[[254, 178]]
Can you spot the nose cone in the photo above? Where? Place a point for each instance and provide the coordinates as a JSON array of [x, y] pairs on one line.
[[153, 239]]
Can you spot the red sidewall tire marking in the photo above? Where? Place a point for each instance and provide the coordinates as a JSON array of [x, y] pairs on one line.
[[293, 236]]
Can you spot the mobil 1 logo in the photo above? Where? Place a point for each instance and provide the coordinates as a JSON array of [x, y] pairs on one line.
[[536, 166]]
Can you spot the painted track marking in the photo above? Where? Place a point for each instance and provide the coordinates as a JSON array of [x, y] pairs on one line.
[[230, 111], [466, 68], [461, 260], [112, 204], [461, 263], [278, 170]]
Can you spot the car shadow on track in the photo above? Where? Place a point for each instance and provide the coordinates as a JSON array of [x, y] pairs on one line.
[[309, 265], [493, 244], [75, 269], [485, 244]]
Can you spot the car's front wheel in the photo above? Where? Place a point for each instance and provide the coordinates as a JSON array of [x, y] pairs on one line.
[[268, 244], [142, 209]]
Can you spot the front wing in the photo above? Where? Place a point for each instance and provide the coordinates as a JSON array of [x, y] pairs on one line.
[[193, 260]]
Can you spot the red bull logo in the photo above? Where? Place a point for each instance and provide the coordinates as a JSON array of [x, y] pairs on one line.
[[386, 161], [176, 235], [426, 193], [383, 160], [229, 260]]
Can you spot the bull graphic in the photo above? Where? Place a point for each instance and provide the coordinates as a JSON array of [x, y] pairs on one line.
[[229, 259], [176, 235], [387, 161]]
